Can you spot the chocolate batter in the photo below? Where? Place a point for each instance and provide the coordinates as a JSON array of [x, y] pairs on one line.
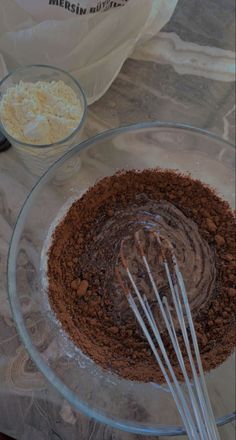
[[83, 289]]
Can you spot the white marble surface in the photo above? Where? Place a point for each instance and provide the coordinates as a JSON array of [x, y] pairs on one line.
[[184, 74]]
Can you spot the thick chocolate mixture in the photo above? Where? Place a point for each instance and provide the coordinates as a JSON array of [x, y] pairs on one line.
[[83, 289]]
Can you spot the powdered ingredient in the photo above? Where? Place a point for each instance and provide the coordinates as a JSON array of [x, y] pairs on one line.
[[83, 302], [40, 113]]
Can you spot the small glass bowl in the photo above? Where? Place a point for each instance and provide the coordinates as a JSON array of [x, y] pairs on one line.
[[142, 408], [38, 158]]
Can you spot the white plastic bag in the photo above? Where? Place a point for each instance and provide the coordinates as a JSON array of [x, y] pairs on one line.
[[92, 46]]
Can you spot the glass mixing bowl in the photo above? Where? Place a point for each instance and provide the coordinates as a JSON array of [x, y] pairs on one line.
[[143, 408]]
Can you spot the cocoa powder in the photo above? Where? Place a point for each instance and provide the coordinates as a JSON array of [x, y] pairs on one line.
[[79, 271]]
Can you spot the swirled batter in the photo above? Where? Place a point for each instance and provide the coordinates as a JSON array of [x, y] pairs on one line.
[[195, 258]]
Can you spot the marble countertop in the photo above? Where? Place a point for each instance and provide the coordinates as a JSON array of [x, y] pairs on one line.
[[185, 74]]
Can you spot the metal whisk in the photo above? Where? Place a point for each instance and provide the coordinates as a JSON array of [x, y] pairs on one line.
[[174, 312]]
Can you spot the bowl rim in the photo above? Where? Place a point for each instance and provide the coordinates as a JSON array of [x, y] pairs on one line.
[[15, 304], [82, 95]]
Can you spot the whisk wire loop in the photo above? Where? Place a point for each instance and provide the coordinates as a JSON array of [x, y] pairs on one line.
[[195, 412]]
